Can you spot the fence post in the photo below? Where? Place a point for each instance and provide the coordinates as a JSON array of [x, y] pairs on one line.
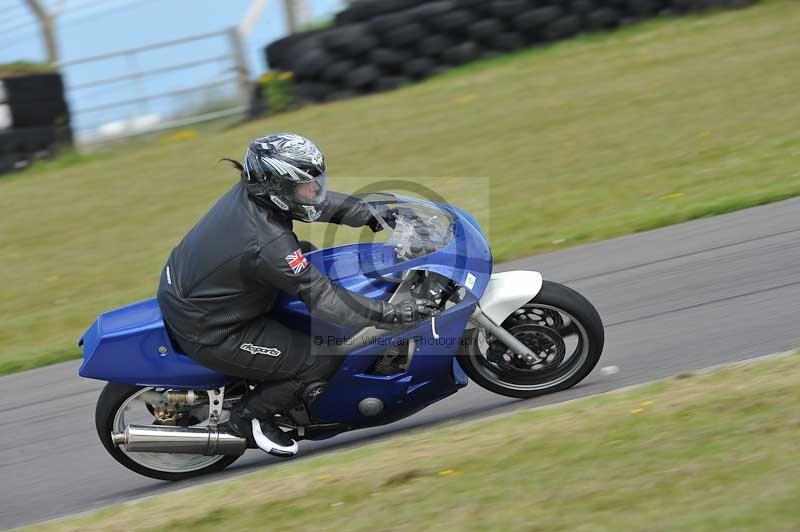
[[136, 79], [240, 65]]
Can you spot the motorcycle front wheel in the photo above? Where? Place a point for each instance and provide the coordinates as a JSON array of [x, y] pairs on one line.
[[122, 404], [564, 333]]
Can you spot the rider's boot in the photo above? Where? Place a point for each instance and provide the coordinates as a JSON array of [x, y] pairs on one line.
[[253, 418], [263, 433]]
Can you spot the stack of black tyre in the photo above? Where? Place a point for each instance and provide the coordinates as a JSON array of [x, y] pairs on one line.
[[378, 45], [34, 119]]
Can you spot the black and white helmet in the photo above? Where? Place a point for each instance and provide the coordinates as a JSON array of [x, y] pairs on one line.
[[287, 171]]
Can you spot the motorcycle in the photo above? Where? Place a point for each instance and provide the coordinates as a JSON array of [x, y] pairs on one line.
[[163, 415]]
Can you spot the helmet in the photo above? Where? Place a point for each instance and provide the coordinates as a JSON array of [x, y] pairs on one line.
[[288, 172]]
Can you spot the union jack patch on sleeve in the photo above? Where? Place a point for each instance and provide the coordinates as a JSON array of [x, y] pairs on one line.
[[297, 262]]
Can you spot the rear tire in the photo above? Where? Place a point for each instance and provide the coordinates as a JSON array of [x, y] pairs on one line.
[[582, 320], [113, 397]]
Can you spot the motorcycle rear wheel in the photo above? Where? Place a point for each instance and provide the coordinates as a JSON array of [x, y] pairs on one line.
[[110, 417], [559, 325]]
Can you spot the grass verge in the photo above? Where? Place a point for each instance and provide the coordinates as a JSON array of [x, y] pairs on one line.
[[589, 139], [701, 452]]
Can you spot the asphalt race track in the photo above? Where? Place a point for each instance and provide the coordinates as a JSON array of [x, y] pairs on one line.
[[676, 299]]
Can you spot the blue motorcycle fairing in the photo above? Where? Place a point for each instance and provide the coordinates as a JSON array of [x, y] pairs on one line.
[[432, 375], [130, 344], [125, 344]]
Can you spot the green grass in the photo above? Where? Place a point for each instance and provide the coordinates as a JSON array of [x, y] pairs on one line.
[[593, 138], [24, 68], [710, 452]]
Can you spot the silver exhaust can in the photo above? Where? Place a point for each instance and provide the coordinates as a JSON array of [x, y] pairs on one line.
[[184, 440]]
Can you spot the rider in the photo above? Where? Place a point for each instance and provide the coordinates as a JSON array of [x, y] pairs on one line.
[[221, 281]]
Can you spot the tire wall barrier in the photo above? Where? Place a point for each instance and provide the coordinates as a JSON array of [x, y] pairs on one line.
[[34, 119], [377, 45]]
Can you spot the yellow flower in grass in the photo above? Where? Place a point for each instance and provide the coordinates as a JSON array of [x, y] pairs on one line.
[[644, 405], [184, 134], [283, 76], [466, 98], [674, 195]]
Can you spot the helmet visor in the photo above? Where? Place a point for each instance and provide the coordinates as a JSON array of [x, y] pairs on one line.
[[312, 192]]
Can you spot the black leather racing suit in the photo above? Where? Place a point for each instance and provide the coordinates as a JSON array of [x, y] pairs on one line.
[[221, 281]]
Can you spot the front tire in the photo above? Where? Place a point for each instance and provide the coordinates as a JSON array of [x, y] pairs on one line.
[[563, 330], [112, 405]]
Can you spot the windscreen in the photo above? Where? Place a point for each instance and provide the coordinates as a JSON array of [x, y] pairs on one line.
[[420, 227]]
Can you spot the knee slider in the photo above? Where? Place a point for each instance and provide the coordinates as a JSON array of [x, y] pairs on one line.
[[313, 391]]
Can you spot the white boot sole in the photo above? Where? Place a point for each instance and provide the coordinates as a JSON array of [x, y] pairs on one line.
[[269, 446]]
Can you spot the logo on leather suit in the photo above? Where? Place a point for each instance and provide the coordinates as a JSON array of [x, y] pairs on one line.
[[258, 350], [297, 262]]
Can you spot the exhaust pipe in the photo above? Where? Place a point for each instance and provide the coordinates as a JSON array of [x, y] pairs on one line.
[[186, 440]]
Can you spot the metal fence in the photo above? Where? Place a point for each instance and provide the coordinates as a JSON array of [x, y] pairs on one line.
[[147, 89]]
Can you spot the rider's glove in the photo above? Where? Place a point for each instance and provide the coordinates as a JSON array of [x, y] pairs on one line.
[[387, 213], [408, 311]]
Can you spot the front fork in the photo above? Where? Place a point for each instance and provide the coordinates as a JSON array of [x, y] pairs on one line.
[[506, 338]]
